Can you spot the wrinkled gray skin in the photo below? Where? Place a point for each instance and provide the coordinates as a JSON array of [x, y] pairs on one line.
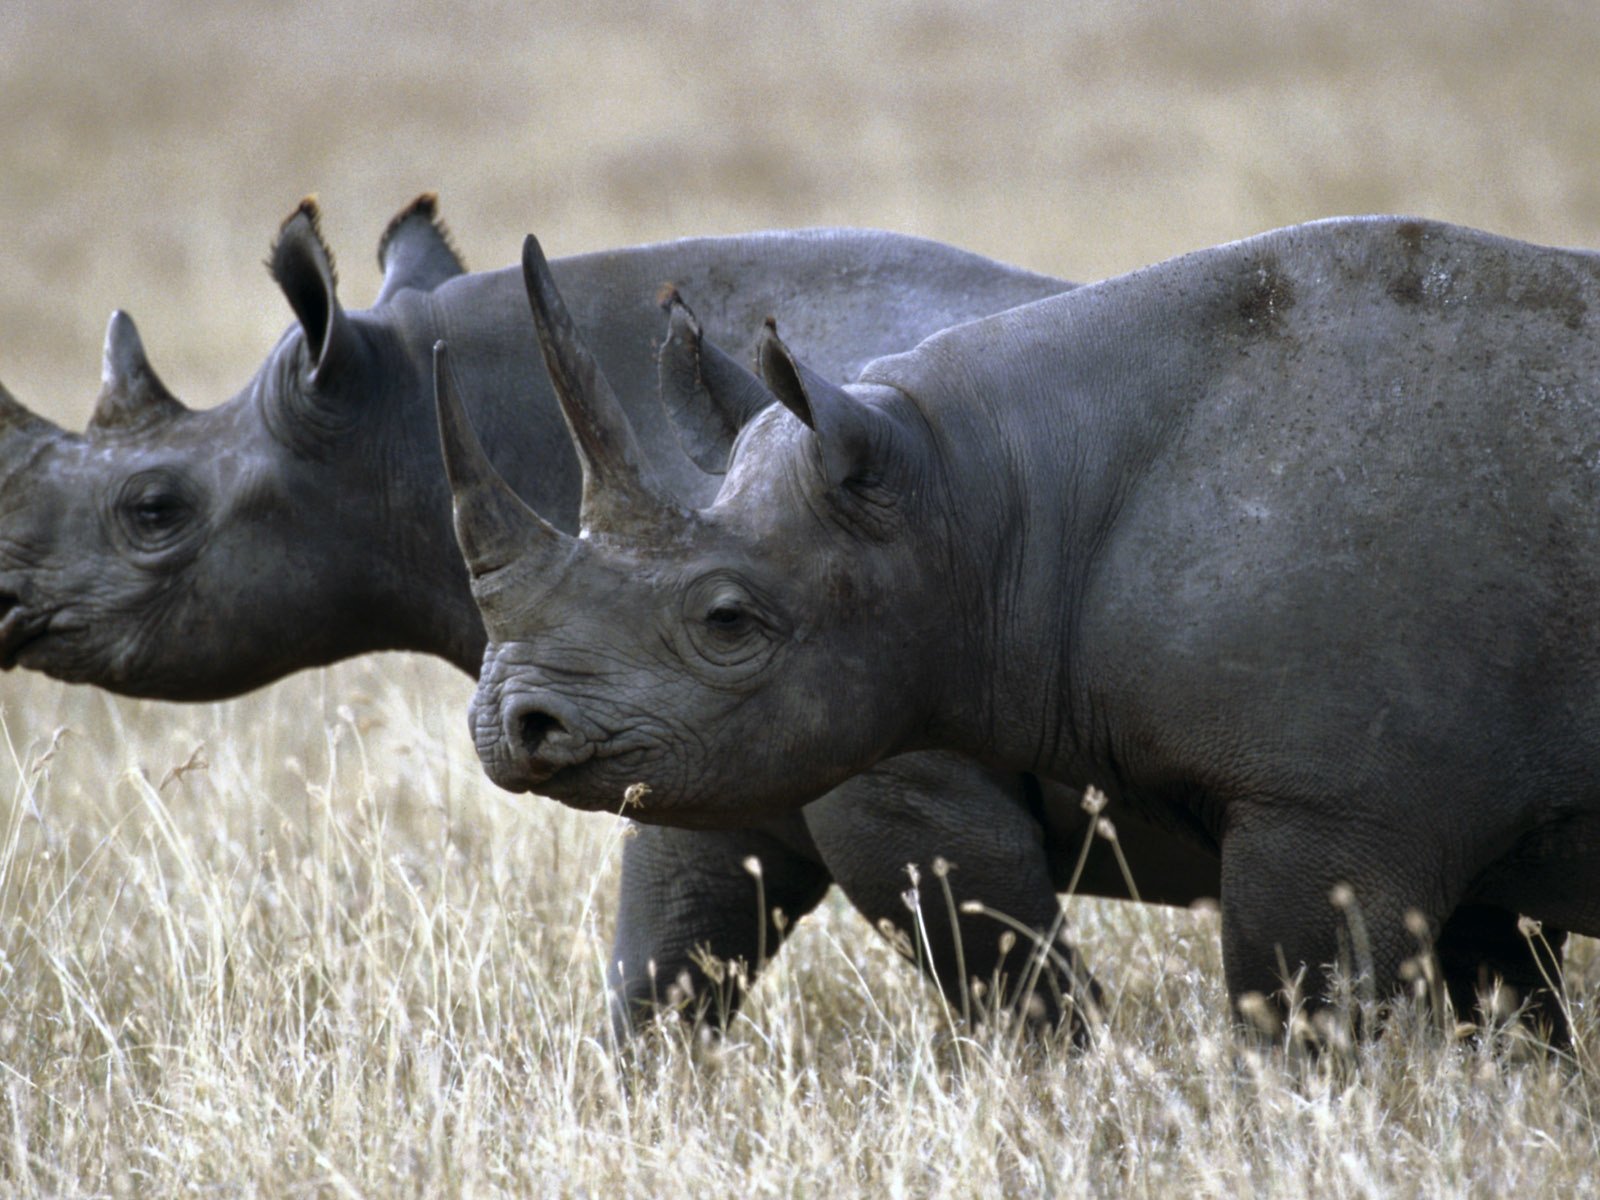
[[1290, 546], [191, 555]]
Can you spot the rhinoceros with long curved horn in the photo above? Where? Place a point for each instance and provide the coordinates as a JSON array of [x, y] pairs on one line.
[[1290, 546]]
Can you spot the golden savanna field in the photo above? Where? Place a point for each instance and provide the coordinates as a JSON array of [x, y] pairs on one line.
[[296, 944]]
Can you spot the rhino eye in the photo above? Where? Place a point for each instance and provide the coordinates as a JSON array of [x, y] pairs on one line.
[[154, 509], [157, 512], [727, 625], [727, 617]]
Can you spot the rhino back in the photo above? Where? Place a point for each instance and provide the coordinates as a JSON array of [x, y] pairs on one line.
[[1333, 499]]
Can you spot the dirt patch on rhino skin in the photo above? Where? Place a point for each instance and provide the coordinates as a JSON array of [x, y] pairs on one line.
[[1560, 296], [1406, 287], [1266, 299], [1556, 290]]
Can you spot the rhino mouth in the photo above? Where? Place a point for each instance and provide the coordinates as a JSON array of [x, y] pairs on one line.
[[540, 743], [20, 630]]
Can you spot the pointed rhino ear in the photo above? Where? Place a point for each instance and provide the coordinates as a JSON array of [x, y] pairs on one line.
[[303, 266], [707, 395], [132, 395], [415, 250], [844, 427]]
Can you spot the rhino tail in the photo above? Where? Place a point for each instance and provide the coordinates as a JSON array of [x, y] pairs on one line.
[[416, 250], [707, 395]]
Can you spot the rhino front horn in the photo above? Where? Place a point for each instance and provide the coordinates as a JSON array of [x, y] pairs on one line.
[[620, 492], [493, 526], [15, 416], [131, 393]]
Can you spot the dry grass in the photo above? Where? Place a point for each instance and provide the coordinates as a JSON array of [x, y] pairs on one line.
[[332, 960]]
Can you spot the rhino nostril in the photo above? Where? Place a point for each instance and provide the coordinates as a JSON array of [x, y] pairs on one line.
[[532, 728], [536, 737]]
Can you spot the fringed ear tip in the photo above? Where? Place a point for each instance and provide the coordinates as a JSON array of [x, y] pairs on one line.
[[418, 224], [307, 208], [426, 207], [308, 211], [681, 322], [771, 346]]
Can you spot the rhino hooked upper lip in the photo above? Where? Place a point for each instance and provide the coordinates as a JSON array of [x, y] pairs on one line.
[[19, 629], [540, 736]]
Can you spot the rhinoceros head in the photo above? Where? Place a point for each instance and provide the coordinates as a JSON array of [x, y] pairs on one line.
[[189, 554], [733, 656]]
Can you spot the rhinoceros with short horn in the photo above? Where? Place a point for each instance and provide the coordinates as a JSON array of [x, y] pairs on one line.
[[197, 554], [1289, 546]]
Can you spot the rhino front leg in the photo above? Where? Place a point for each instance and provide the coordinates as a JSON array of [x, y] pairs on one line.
[[688, 896], [940, 814]]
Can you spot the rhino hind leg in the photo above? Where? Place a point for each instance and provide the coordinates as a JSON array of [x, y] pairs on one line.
[[1310, 903], [689, 901], [1480, 945], [947, 858]]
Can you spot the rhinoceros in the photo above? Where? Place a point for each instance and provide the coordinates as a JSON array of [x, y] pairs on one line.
[[1290, 547], [191, 555]]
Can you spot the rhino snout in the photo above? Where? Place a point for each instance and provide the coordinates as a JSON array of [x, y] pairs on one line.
[[16, 628], [535, 736]]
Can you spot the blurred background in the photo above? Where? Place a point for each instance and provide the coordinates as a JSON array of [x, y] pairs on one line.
[[149, 151]]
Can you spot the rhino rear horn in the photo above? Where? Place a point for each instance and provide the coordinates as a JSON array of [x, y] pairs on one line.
[[415, 250], [132, 395], [493, 526], [620, 491], [708, 396], [845, 428], [303, 266]]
